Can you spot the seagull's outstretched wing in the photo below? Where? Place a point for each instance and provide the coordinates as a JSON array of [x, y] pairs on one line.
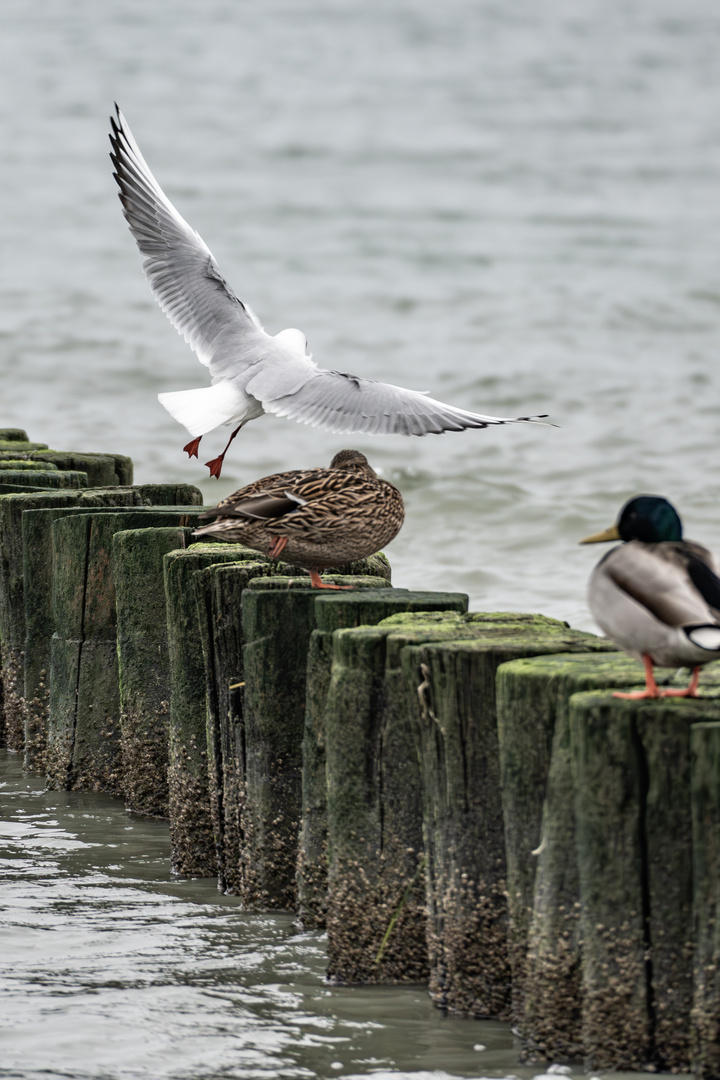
[[229, 339], [347, 403], [180, 268]]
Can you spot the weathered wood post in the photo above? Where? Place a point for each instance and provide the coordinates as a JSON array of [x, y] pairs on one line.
[[705, 795], [538, 793], [278, 618], [12, 609], [220, 590], [370, 742], [633, 820], [455, 723], [39, 626], [84, 732], [219, 596], [373, 935], [143, 662], [191, 826]]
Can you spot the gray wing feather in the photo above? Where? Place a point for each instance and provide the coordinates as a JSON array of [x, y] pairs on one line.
[[179, 266], [656, 576], [350, 404]]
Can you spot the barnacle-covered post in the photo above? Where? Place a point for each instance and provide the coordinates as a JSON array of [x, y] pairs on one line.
[[334, 612], [455, 724], [705, 794], [634, 844]]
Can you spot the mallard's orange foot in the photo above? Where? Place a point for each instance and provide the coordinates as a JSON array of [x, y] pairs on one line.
[[651, 690], [691, 689], [192, 447], [277, 546]]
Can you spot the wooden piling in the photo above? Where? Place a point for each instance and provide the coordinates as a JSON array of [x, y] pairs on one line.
[[12, 610], [278, 617], [455, 726], [633, 821], [84, 749], [538, 795], [143, 662], [705, 796], [219, 590], [377, 931], [35, 543], [356, 737], [191, 825], [14, 480], [33, 699]]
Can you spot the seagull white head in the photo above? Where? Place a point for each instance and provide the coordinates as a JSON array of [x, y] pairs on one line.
[[294, 340]]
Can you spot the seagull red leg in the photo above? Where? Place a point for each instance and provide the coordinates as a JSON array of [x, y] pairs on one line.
[[215, 466], [191, 449], [651, 687]]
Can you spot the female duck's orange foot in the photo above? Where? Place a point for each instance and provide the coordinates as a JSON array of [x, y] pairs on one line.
[[317, 582], [192, 447]]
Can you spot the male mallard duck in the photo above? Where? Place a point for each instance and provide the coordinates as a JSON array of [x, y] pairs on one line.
[[315, 518], [252, 371], [656, 595]]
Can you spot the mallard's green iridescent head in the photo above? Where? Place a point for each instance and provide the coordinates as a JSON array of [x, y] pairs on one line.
[[648, 518]]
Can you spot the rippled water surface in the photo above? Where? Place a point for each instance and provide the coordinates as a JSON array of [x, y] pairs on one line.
[[112, 969], [512, 205]]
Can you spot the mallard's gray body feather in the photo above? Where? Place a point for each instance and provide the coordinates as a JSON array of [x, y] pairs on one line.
[[647, 599]]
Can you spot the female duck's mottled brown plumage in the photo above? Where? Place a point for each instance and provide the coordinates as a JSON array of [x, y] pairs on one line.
[[314, 518]]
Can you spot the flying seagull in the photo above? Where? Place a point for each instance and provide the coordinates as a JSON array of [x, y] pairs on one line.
[[252, 372]]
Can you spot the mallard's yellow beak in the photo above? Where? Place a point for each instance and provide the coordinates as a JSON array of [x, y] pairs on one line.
[[598, 538]]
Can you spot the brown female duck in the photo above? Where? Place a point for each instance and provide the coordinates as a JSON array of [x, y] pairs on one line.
[[314, 518]]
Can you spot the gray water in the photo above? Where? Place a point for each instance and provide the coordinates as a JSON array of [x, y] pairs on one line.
[[513, 205], [112, 969]]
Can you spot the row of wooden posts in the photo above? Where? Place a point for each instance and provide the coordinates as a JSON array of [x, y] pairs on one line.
[[456, 797]]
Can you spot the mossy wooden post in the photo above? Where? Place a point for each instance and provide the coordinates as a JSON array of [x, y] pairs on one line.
[[365, 738], [455, 726], [39, 479], [103, 470], [191, 827], [219, 596], [359, 925], [83, 729], [13, 435], [35, 526], [12, 609], [538, 794], [220, 591], [278, 617], [143, 663], [705, 794], [633, 820], [37, 563]]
